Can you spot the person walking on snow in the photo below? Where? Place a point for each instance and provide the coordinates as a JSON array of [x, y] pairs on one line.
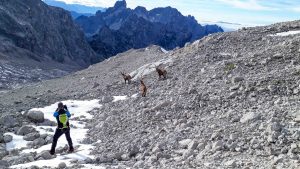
[[62, 116]]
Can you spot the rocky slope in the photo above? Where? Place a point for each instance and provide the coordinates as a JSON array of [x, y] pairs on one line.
[[230, 101], [35, 36], [119, 28]]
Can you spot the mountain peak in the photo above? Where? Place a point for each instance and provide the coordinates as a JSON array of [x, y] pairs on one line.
[[120, 4]]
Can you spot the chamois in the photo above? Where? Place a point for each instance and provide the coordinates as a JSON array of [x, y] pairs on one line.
[[143, 88], [126, 77], [161, 72]]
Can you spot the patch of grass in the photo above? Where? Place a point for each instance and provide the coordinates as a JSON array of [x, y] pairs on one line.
[[229, 67]]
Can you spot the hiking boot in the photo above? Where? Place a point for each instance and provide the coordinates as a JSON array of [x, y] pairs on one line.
[[52, 152], [71, 150]]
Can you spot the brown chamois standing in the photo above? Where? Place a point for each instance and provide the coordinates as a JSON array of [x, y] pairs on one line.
[[161, 72], [126, 77], [143, 88]]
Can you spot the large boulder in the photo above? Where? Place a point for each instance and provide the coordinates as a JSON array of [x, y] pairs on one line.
[[26, 130], [36, 116]]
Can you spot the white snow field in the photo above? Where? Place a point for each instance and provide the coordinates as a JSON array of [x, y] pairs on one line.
[[286, 33], [78, 134]]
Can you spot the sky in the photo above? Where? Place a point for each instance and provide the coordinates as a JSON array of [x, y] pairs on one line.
[[245, 12]]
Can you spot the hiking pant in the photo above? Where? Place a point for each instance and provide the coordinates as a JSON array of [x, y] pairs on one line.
[[56, 136]]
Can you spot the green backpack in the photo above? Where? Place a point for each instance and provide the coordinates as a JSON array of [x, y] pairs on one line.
[[63, 118]]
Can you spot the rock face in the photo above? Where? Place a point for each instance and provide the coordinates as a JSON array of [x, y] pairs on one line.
[[36, 37], [119, 29]]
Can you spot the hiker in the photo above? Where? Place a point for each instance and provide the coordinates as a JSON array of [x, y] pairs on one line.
[[62, 116]]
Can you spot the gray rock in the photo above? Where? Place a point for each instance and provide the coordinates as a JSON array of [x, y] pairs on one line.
[[125, 157], [106, 99], [297, 119], [31, 136], [273, 127], [133, 150], [192, 145], [103, 159], [62, 165], [3, 164], [8, 138], [3, 153], [95, 85], [39, 142], [237, 79], [26, 130], [233, 136], [8, 121], [36, 116], [44, 155]]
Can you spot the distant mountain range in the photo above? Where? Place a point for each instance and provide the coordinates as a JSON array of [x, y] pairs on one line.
[[119, 28], [75, 9]]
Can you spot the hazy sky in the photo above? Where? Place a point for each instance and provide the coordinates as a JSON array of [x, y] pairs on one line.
[[247, 12]]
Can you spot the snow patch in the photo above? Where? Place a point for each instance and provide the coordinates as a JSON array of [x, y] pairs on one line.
[[164, 50], [92, 166], [119, 98], [17, 143], [148, 68], [286, 33], [135, 95]]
